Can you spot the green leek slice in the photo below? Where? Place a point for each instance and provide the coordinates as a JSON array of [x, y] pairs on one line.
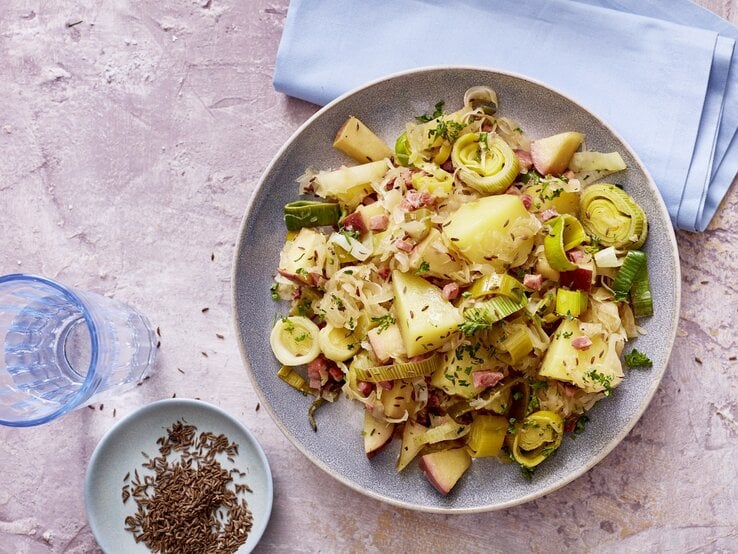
[[402, 150], [571, 302], [294, 379], [537, 437], [481, 98], [486, 163], [489, 312], [486, 436], [447, 431], [612, 216], [517, 345], [294, 340], [433, 180], [311, 213], [640, 294], [338, 343], [555, 241], [498, 284], [399, 370], [633, 263], [317, 403]]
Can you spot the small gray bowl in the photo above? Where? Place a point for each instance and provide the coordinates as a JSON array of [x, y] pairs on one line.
[[337, 448]]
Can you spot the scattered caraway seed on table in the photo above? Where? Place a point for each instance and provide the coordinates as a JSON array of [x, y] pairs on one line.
[[186, 501]]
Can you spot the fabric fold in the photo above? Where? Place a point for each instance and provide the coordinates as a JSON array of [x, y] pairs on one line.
[[663, 85]]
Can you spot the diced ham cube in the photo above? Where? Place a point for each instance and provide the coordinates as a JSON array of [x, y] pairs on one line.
[[414, 200], [364, 387], [524, 159], [451, 291], [575, 256], [336, 373], [548, 214], [527, 201], [378, 222], [448, 165], [581, 343], [386, 385], [354, 222], [384, 272], [533, 282], [404, 245], [485, 378]]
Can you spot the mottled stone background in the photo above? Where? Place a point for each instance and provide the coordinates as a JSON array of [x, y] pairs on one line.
[[132, 134]]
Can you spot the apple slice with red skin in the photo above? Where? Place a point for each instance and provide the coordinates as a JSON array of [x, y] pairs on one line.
[[445, 467], [551, 155], [577, 279], [377, 434]]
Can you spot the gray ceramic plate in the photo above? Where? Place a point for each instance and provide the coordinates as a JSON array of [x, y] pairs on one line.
[[119, 452], [337, 447]]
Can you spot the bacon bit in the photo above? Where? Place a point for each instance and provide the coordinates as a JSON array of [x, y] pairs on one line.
[[533, 282], [524, 159], [378, 222], [354, 222], [316, 280], [404, 245], [548, 214], [294, 277], [386, 385], [317, 370], [336, 373], [487, 127], [365, 387], [368, 200], [527, 201], [414, 200], [448, 165], [581, 343], [512, 189], [570, 175], [575, 256], [486, 378], [451, 291]]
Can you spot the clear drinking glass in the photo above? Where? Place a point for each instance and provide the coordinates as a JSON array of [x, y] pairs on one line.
[[60, 347]]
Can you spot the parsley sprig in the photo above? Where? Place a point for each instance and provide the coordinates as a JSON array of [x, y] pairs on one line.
[[635, 358]]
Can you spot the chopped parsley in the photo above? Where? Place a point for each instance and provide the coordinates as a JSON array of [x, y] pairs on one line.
[[598, 377], [448, 130], [438, 112], [424, 267], [274, 291], [527, 471], [637, 359], [383, 322]]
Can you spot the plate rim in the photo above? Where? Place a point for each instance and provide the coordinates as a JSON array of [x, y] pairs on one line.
[[647, 398], [144, 411]]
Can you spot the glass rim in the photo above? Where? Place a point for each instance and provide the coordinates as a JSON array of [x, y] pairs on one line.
[[86, 387]]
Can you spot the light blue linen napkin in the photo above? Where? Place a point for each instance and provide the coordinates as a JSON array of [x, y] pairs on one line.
[[660, 84]]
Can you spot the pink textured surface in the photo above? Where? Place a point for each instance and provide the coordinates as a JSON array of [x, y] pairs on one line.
[[132, 134]]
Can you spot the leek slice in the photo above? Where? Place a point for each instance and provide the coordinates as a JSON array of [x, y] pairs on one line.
[[484, 315], [610, 214], [486, 436], [571, 303], [294, 379], [399, 370], [294, 340], [338, 343], [555, 241], [447, 431], [633, 263], [607, 257], [317, 403], [481, 98], [402, 150], [640, 294], [310, 213], [433, 180], [485, 163], [496, 283], [537, 438], [517, 345]]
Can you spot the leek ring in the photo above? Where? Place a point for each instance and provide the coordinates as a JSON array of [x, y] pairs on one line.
[[610, 214], [294, 340], [485, 163], [537, 438]]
